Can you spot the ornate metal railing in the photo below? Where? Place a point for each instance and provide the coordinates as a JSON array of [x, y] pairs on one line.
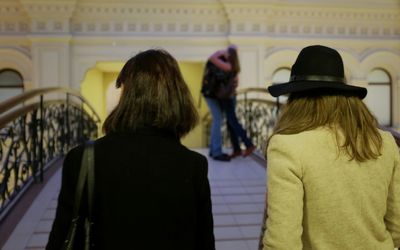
[[36, 128], [256, 112]]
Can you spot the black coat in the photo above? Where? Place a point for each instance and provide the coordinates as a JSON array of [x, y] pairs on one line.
[[150, 193]]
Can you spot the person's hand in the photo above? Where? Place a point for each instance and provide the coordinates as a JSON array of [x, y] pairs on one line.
[[223, 53], [219, 59], [226, 54]]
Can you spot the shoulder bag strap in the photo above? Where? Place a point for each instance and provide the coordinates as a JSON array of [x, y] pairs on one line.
[[86, 175], [90, 177], [81, 184], [88, 164]]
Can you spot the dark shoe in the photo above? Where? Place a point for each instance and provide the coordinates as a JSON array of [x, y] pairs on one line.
[[235, 154], [248, 151], [222, 157]]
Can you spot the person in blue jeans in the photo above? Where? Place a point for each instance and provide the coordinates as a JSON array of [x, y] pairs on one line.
[[224, 63], [215, 136], [236, 130]]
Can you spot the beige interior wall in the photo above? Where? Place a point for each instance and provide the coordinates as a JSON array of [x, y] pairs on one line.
[[192, 73]]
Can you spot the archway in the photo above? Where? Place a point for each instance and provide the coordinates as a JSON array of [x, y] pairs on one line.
[[379, 95], [11, 83]]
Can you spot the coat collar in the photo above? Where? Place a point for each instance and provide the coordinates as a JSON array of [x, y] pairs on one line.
[[151, 131]]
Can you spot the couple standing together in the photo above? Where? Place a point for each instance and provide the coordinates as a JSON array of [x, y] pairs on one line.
[[220, 81]]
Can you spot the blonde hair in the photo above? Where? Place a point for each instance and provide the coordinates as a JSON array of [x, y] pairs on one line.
[[362, 140]]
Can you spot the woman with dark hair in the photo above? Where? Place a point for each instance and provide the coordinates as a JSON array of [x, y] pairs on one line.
[[333, 177], [151, 192]]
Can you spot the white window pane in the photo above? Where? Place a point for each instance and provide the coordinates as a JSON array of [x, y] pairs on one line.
[[378, 101], [378, 76], [281, 76], [10, 78]]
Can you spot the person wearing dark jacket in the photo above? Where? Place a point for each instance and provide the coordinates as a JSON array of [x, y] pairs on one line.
[[222, 68], [151, 192]]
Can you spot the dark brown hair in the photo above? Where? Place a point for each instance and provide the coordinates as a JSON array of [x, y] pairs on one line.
[[154, 94], [234, 60], [353, 124]]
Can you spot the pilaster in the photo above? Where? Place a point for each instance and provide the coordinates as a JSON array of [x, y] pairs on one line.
[[396, 102], [50, 36]]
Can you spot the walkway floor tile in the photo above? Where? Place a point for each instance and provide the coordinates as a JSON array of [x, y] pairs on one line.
[[237, 189]]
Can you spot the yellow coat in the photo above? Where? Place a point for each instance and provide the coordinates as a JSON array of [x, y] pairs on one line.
[[318, 199]]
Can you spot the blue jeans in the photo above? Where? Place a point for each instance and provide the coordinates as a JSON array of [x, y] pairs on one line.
[[236, 130], [215, 136], [233, 137]]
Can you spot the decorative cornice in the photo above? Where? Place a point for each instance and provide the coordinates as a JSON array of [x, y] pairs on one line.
[[313, 21], [232, 18], [149, 10], [49, 16], [13, 19], [11, 9], [42, 9]]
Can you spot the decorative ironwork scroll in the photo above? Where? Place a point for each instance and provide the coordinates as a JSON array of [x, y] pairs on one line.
[[35, 134], [256, 113]]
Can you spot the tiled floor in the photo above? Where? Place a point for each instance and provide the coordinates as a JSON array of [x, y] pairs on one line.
[[237, 189], [33, 229], [238, 194]]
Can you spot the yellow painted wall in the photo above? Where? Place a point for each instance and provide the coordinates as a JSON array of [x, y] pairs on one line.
[[109, 78], [92, 90], [193, 73], [95, 85]]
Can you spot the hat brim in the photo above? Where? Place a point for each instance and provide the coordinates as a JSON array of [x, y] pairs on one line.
[[317, 87]]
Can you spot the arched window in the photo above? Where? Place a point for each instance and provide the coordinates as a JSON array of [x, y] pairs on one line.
[[281, 75], [11, 83], [379, 99]]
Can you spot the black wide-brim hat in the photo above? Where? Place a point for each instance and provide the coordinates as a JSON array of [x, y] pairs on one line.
[[317, 70]]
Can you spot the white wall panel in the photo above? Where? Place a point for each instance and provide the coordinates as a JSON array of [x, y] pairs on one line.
[[378, 101], [49, 68]]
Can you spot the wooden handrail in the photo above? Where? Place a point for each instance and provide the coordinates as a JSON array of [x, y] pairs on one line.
[[10, 116], [22, 98], [37, 127]]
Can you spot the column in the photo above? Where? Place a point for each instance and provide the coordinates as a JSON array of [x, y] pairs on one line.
[[50, 38]]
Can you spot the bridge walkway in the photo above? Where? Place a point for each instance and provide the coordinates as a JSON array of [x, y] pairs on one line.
[[238, 195]]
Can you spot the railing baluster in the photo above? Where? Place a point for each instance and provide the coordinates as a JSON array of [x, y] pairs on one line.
[[34, 134], [67, 136], [81, 124], [257, 116], [41, 139]]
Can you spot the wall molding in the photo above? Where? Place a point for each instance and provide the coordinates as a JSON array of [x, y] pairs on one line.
[[83, 18]]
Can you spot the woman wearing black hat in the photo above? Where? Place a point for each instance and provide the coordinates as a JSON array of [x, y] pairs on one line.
[[333, 176]]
